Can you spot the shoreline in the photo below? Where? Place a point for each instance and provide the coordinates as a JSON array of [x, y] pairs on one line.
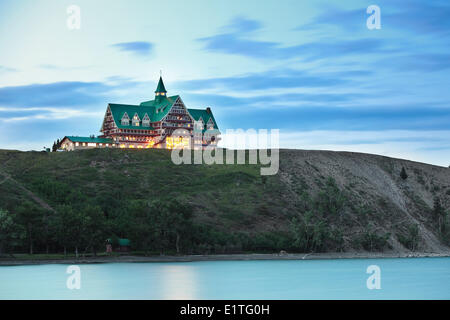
[[223, 257]]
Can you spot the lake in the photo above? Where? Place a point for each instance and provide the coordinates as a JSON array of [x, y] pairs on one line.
[[412, 278]]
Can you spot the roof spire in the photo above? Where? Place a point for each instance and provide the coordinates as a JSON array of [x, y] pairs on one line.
[[161, 91]]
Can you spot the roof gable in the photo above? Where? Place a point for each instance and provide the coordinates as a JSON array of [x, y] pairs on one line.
[[203, 114], [159, 108]]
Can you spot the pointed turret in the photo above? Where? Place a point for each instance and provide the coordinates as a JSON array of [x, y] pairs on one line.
[[160, 92]]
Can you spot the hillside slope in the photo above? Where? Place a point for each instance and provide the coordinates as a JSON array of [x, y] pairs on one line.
[[318, 201]]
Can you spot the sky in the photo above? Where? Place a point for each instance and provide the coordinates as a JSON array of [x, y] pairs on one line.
[[312, 69]]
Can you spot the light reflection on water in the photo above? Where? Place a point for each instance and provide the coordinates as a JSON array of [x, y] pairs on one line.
[[418, 278], [179, 282]]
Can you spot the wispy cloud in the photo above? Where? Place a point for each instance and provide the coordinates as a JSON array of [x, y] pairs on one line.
[[274, 79], [62, 100], [141, 48], [4, 69], [412, 16], [54, 94], [243, 24], [237, 42], [415, 62]]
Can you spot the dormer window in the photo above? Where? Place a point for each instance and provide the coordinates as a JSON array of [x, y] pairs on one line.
[[146, 121], [125, 120], [199, 124], [210, 124], [136, 120]]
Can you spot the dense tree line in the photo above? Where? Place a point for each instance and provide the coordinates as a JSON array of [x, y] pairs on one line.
[[81, 224], [150, 225]]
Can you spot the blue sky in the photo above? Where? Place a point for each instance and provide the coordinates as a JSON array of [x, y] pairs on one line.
[[310, 68]]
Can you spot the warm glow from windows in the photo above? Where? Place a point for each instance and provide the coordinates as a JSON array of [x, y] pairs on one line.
[[177, 142]]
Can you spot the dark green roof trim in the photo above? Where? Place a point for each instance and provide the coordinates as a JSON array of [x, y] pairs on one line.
[[88, 139]]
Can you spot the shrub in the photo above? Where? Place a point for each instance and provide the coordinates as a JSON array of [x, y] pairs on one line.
[[411, 239], [403, 174], [372, 241]]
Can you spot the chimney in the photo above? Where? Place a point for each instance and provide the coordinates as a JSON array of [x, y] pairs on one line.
[[208, 109]]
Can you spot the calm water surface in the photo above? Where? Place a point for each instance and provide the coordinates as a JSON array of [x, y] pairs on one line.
[[418, 278]]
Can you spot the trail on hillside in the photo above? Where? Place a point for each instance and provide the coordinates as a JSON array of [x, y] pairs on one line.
[[32, 195]]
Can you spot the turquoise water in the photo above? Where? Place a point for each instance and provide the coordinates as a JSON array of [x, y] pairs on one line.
[[417, 278]]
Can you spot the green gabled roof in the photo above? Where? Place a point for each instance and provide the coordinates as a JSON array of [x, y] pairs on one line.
[[156, 110], [160, 108], [160, 87], [88, 139], [118, 110], [204, 114]]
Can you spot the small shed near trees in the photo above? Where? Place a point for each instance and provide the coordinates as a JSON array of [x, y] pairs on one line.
[[118, 244], [124, 245]]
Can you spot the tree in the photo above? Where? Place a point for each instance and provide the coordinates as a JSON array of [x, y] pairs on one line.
[[141, 230], [331, 200], [30, 217], [93, 227], [309, 235], [160, 218], [439, 214], [47, 232], [10, 231], [372, 241], [160, 224], [180, 219], [264, 181], [70, 226], [403, 174]]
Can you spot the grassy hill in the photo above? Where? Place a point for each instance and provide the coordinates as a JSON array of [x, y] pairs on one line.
[[318, 201]]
